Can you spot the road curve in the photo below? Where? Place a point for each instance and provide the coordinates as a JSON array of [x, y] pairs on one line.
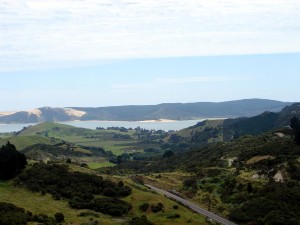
[[192, 206]]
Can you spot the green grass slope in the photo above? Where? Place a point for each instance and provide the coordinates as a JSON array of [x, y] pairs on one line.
[[42, 127], [111, 140], [22, 142]]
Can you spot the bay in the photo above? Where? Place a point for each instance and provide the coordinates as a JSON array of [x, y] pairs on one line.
[[149, 125]]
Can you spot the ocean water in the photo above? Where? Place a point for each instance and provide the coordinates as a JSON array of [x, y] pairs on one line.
[[167, 125]]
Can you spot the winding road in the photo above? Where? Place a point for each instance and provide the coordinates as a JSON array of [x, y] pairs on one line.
[[192, 206]]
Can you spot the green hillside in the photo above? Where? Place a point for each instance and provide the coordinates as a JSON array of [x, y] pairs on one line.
[[47, 203], [45, 126], [118, 141], [241, 179], [22, 142], [210, 131]]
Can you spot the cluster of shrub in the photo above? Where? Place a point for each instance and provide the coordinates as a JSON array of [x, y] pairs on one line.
[[273, 203], [11, 214], [276, 203], [154, 208], [158, 208], [79, 188], [140, 221], [54, 150], [121, 129], [97, 151]]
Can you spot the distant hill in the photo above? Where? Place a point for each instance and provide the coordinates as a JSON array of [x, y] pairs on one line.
[[209, 131], [173, 111]]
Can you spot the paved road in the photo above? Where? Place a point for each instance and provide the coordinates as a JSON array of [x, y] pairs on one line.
[[192, 206]]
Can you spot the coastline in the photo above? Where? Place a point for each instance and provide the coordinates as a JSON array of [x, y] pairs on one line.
[[162, 124], [120, 121]]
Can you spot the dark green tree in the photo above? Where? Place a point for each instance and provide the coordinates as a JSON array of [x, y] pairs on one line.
[[59, 217], [120, 184], [168, 154], [295, 125], [11, 161], [249, 187]]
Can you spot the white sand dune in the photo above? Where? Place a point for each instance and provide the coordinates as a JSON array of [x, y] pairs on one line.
[[36, 112], [74, 112], [6, 113]]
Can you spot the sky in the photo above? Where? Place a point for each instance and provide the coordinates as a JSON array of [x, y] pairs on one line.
[[62, 53]]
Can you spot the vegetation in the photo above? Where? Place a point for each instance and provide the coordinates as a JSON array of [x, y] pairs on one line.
[[22, 142], [275, 203], [251, 179], [11, 161], [79, 188], [140, 221], [11, 214], [295, 125], [222, 176], [207, 132]]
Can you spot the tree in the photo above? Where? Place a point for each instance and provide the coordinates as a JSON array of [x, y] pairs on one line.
[[59, 217], [295, 125], [120, 184], [168, 154], [249, 187], [11, 161], [144, 207]]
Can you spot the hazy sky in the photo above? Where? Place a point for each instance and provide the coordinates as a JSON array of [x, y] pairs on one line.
[[119, 52]]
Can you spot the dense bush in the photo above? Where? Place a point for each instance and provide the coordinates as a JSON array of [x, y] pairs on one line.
[[174, 216], [10, 214], [79, 188], [140, 221], [110, 206], [13, 215], [276, 203]]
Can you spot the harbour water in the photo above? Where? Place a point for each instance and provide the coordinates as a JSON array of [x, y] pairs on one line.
[[155, 125]]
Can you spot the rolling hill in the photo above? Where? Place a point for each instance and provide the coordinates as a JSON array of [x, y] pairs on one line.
[[251, 180], [174, 111], [209, 131]]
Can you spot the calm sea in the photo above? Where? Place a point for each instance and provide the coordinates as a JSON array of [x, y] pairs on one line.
[[170, 125]]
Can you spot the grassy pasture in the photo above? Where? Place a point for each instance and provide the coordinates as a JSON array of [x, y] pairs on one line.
[[107, 139], [97, 165], [22, 142]]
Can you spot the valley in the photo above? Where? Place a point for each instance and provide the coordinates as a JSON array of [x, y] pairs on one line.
[[235, 168], [144, 112]]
